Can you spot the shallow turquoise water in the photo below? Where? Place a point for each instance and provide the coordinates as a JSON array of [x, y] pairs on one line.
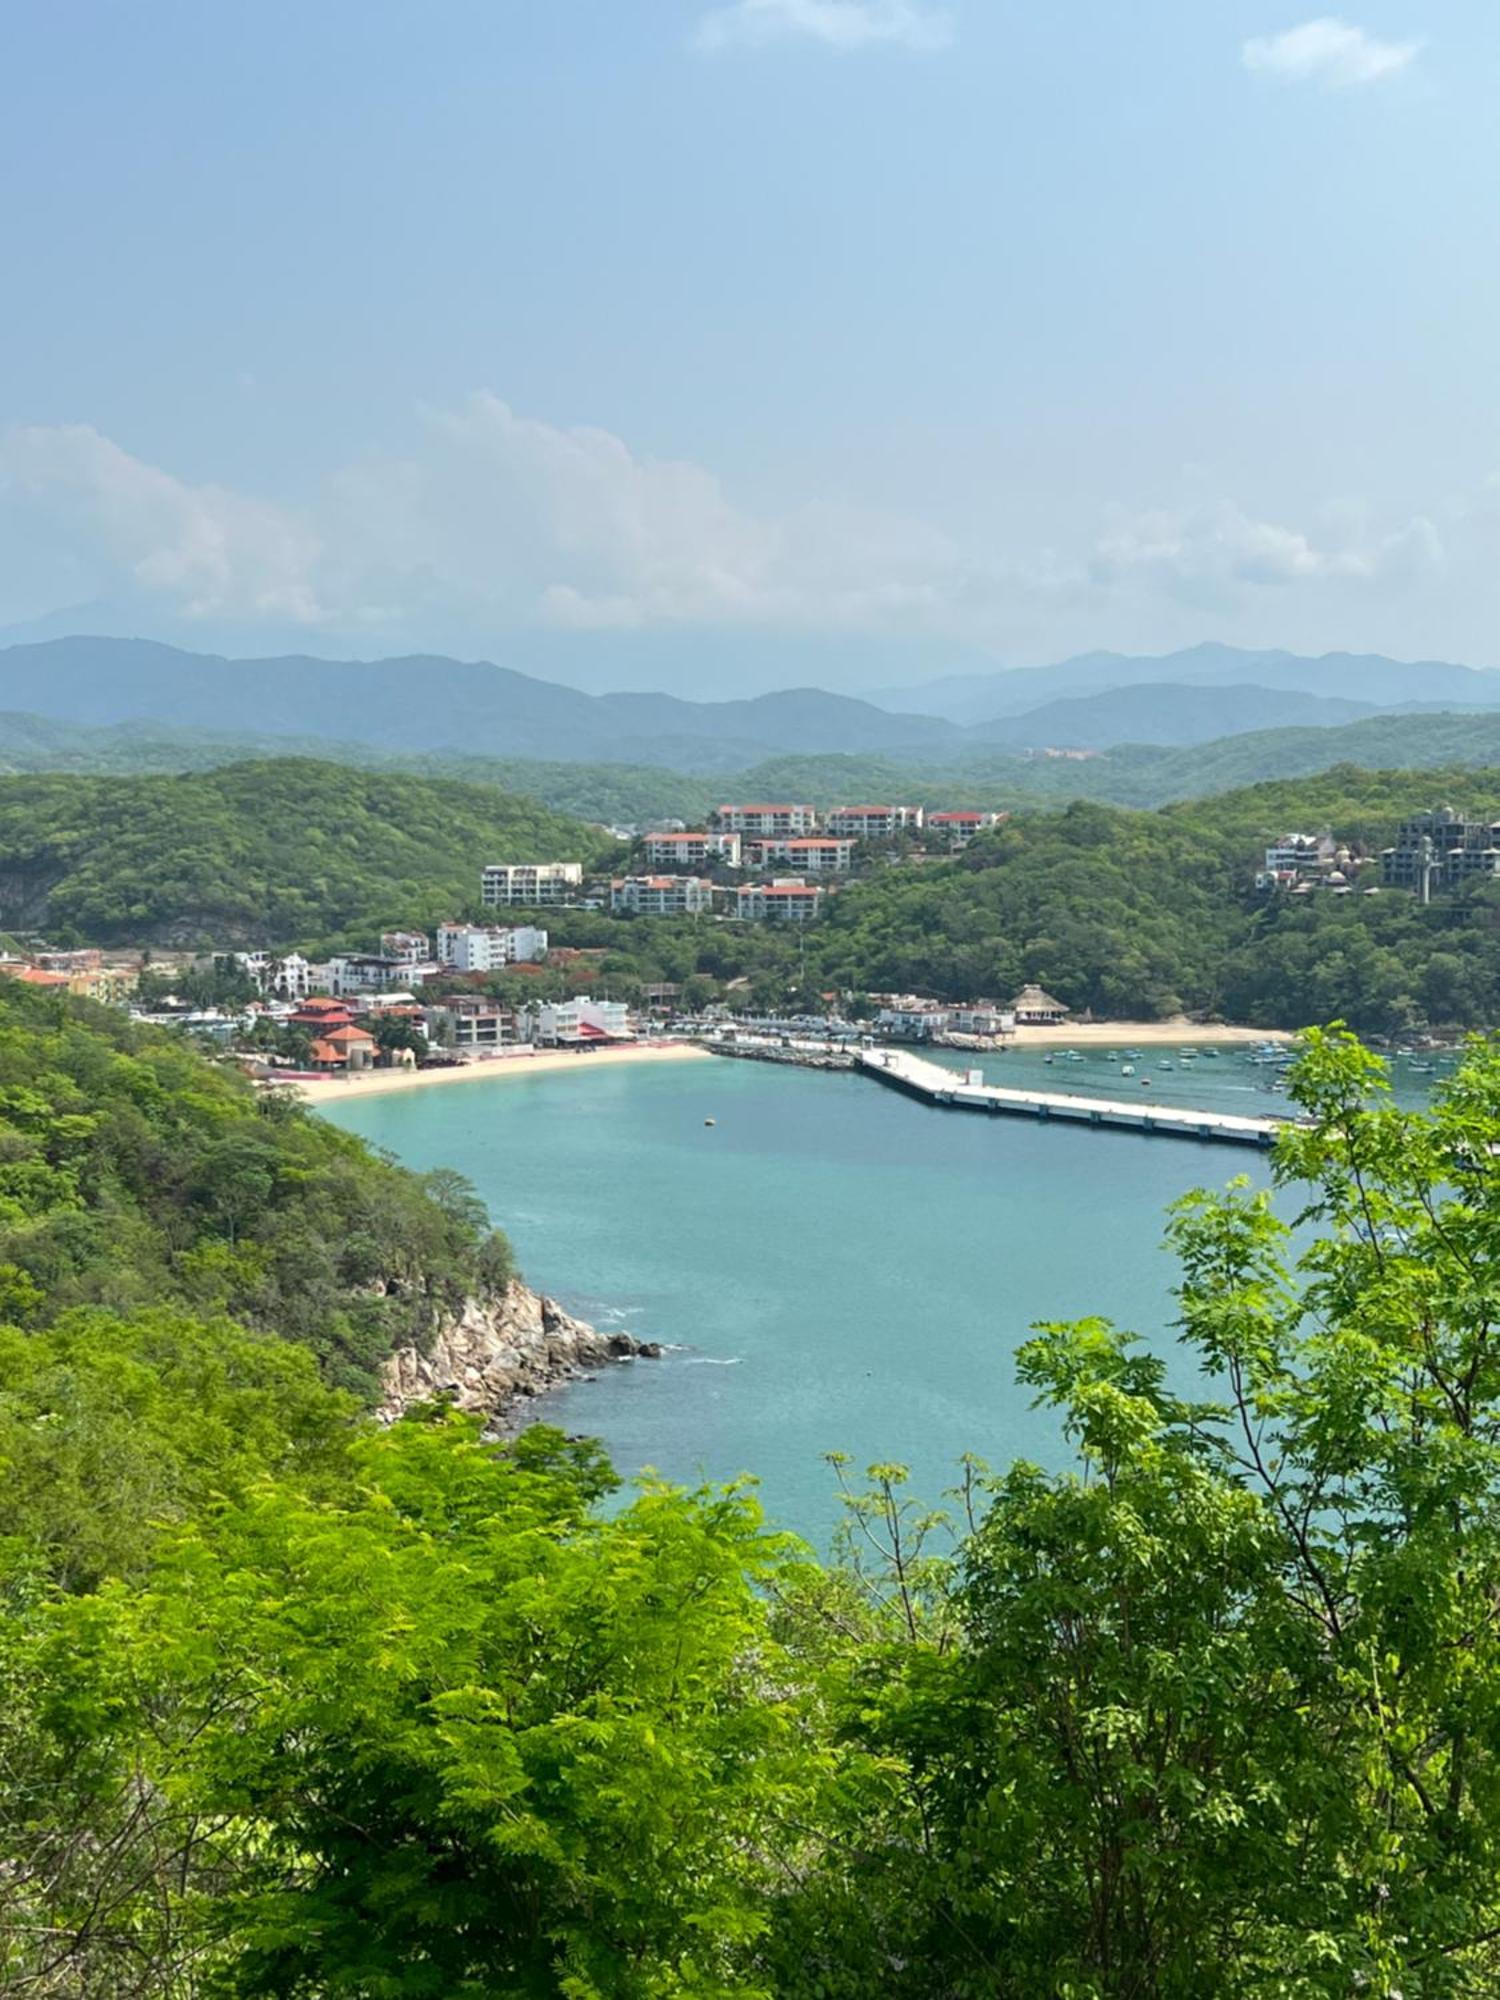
[[835, 1265]]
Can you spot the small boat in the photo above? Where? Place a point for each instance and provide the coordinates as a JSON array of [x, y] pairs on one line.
[[710, 1121], [1048, 1059], [1212, 1054], [1127, 1069], [1167, 1065], [1145, 1083], [1132, 1055]]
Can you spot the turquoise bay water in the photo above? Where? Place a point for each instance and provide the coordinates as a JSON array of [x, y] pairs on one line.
[[835, 1266]]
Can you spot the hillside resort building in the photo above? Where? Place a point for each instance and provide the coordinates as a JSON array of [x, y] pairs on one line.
[[532, 884]]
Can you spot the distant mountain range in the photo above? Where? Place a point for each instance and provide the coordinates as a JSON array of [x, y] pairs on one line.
[[1368, 678], [428, 704]]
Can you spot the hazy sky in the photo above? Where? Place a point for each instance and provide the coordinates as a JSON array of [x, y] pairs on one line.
[[777, 338]]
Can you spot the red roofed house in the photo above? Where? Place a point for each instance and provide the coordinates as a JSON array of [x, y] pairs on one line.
[[347, 1048], [319, 1015], [33, 975]]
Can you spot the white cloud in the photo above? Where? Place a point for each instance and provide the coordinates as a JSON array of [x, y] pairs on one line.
[[1329, 52], [1222, 548], [494, 523], [837, 24], [205, 549]]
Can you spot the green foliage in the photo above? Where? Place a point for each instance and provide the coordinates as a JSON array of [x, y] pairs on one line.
[[1140, 915], [261, 853], [292, 1705], [133, 1172]]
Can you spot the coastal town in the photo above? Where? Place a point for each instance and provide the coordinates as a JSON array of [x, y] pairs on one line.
[[456, 994]]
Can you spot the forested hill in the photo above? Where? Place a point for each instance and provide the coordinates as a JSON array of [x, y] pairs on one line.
[[258, 853], [135, 1175], [1144, 914]]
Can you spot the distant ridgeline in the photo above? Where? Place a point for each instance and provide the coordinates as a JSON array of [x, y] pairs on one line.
[[299, 1705]]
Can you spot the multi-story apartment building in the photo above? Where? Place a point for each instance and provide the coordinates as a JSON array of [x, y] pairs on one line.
[[814, 854], [959, 828], [361, 972], [489, 947], [576, 1023], [532, 883], [661, 895], [872, 822], [779, 902], [1440, 849], [471, 1021], [691, 850], [769, 822]]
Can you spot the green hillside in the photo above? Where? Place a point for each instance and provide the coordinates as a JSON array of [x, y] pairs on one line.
[[1146, 913], [259, 853]]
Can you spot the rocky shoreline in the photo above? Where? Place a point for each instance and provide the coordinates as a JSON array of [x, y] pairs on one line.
[[500, 1353]]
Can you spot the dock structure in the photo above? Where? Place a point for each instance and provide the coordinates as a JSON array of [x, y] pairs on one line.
[[964, 1091]]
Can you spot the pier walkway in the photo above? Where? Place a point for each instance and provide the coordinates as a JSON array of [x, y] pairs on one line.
[[935, 1084]]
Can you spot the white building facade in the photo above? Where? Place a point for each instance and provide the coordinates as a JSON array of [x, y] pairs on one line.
[[872, 822], [770, 822], [779, 903], [959, 828], [489, 947], [533, 884], [661, 895], [691, 850], [576, 1023], [810, 853]]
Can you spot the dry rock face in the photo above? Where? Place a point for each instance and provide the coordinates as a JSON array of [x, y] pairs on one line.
[[499, 1351]]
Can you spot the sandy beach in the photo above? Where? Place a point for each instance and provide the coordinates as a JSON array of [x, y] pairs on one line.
[[376, 1082], [1143, 1035]]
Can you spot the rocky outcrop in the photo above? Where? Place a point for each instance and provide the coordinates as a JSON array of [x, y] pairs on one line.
[[499, 1352]]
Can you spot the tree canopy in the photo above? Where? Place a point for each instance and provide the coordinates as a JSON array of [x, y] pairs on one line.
[[297, 1706]]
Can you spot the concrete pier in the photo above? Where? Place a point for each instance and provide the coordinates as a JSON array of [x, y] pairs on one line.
[[934, 1084]]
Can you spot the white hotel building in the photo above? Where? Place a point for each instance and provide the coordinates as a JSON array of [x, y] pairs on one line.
[[691, 850], [779, 903], [959, 828], [489, 947], [770, 822], [872, 822], [661, 895], [810, 852], [532, 883]]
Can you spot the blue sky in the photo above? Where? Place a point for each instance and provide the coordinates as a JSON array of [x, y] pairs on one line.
[[728, 341]]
